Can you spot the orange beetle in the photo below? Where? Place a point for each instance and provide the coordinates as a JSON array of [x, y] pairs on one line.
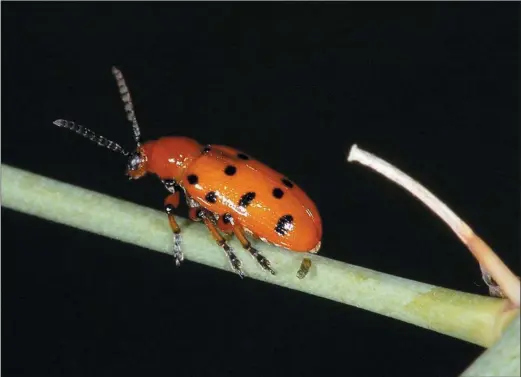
[[225, 188]]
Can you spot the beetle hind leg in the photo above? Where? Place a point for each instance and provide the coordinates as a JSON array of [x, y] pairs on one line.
[[261, 259], [227, 223], [200, 214]]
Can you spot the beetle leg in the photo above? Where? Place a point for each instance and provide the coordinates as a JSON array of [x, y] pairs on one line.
[[261, 259], [169, 185], [171, 203], [198, 214], [194, 214]]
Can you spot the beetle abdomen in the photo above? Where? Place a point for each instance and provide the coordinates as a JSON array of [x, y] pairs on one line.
[[266, 203]]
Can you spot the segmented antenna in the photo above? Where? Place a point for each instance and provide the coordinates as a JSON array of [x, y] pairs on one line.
[[127, 101], [85, 132]]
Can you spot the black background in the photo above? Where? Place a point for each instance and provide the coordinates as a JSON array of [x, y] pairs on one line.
[[433, 88]]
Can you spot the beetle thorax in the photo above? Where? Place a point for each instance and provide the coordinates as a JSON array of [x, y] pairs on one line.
[[169, 157]]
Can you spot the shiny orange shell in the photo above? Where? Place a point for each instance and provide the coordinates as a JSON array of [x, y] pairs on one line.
[[225, 180]]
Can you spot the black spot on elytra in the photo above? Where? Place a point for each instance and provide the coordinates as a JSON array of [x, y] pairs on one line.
[[230, 170], [242, 156], [227, 218], [207, 148], [246, 199], [283, 223], [192, 179], [278, 193], [211, 197], [287, 182]]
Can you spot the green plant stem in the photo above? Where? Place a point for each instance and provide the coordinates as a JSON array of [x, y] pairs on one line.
[[502, 359], [473, 318]]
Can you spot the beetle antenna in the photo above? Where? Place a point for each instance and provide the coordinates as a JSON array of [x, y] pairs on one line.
[[127, 101], [85, 132]]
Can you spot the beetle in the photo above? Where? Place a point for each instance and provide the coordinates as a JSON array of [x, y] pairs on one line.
[[226, 189]]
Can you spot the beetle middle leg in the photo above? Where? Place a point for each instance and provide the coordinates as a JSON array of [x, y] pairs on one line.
[[200, 214], [228, 225]]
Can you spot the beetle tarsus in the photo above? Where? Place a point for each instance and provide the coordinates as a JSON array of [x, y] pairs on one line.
[[261, 259], [177, 251], [234, 261]]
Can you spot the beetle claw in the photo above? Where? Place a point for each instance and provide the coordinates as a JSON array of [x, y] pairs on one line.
[[265, 264]]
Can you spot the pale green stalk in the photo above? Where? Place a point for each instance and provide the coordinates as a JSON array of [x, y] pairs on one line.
[[473, 318], [502, 359]]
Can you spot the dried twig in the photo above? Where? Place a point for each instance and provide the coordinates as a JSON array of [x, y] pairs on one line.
[[492, 267]]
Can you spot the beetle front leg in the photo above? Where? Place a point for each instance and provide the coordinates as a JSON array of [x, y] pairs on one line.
[[171, 203], [198, 214]]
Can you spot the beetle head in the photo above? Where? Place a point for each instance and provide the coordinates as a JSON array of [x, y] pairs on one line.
[[137, 162]]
